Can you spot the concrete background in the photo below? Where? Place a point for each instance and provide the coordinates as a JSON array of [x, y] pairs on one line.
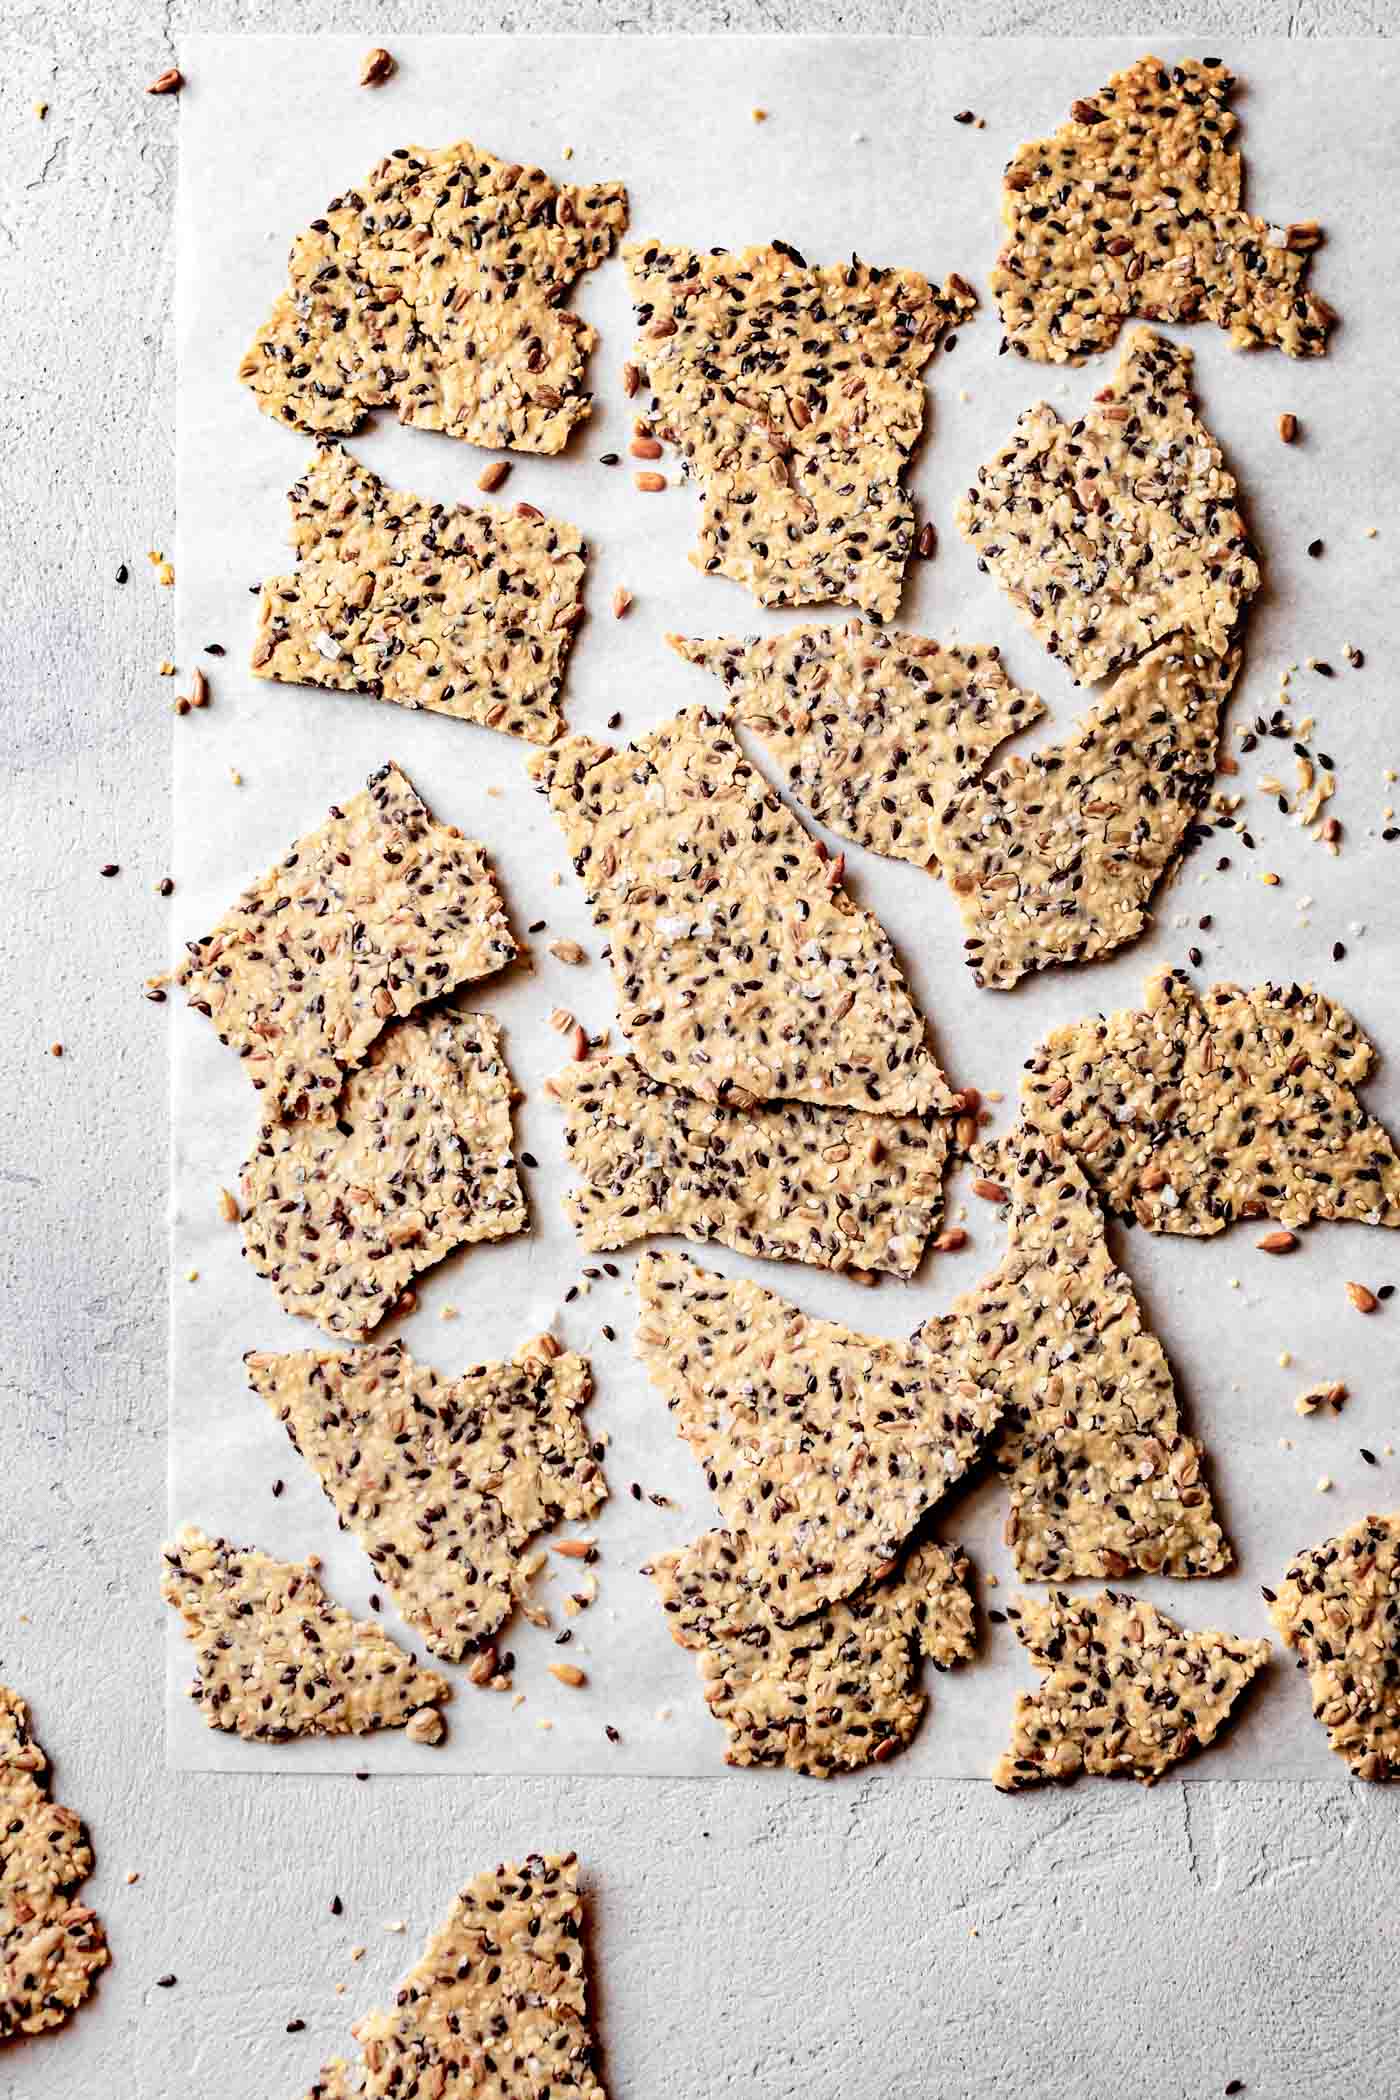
[[774, 1940]]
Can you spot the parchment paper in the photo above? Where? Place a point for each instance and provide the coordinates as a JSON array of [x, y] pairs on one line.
[[860, 150]]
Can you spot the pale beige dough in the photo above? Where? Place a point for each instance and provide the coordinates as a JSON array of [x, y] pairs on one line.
[[1339, 1606], [51, 1944]]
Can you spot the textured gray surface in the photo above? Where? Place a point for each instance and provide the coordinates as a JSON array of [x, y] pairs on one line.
[[766, 1939]]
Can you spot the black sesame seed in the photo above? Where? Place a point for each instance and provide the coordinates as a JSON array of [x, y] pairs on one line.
[[123, 573], [611, 1733], [528, 1159], [1269, 1596], [336, 1906], [537, 926], [1387, 1290], [214, 649], [166, 1982], [109, 867], [1338, 951], [1194, 956], [608, 459], [1369, 1456], [295, 2026], [277, 1487], [1314, 548]]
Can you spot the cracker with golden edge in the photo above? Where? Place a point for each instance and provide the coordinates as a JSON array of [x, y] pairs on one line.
[[1102, 1478], [784, 1180], [51, 1944], [1124, 1691], [838, 1691], [794, 396], [444, 1481], [276, 1658], [742, 967], [1339, 1606], [872, 730], [341, 1214], [824, 1446], [469, 613], [1133, 207], [436, 289], [1120, 530], [378, 911], [1054, 854], [1192, 1112]]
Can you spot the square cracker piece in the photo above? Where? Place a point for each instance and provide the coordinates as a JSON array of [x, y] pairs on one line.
[[339, 1215], [1116, 532], [380, 910], [1133, 207], [795, 397], [444, 1481], [1124, 1691], [738, 959], [783, 1180], [51, 1945], [1339, 1606], [824, 1446], [469, 613], [872, 730], [835, 1693], [275, 1657], [437, 290]]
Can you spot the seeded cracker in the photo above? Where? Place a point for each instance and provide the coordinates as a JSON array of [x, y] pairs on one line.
[[872, 731], [1133, 207], [444, 1482], [1124, 1690], [837, 1692], [741, 966], [340, 1215], [438, 291], [1053, 856], [378, 911], [795, 398], [1118, 531], [824, 1446], [275, 1657], [1101, 1478], [469, 613], [785, 1181], [1339, 1606], [1191, 1113], [51, 1945]]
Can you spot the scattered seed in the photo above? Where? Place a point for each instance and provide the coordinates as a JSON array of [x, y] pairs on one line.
[[123, 573], [568, 1673], [165, 887], [169, 82], [491, 477], [166, 1982], [1314, 548], [650, 484], [926, 546], [621, 604], [568, 952], [228, 1207], [1277, 1243], [1369, 1456], [377, 67], [1365, 1301], [1288, 431], [109, 867]]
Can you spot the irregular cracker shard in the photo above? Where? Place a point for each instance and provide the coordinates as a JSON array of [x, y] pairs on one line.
[[1053, 856], [795, 397], [444, 1482], [1101, 1478], [785, 1181], [498, 2005], [1133, 207], [837, 1692], [825, 1447], [1124, 1690], [437, 290], [275, 1657], [1194, 1112], [469, 613], [339, 1215], [872, 730], [51, 1945], [739, 961], [378, 911], [1118, 531], [1339, 1606]]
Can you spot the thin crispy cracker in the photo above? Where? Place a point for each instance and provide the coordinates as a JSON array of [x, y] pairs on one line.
[[794, 396], [1053, 855], [437, 290], [872, 730], [739, 962], [840, 1690], [1124, 1691], [275, 1657], [51, 1945], [469, 613], [823, 1446], [339, 1215], [787, 1181], [1133, 207], [444, 1482], [1118, 531], [1193, 1112], [1339, 1606]]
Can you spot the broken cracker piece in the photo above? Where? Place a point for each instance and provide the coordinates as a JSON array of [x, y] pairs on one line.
[[51, 1944], [469, 613], [1339, 1606]]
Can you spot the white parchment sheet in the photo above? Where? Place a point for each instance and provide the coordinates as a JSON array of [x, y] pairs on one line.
[[859, 151]]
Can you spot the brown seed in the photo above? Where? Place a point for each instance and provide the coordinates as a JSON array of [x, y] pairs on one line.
[[949, 1242], [631, 380], [1277, 1243], [491, 477], [377, 67], [568, 952], [644, 448], [622, 603], [55, 1049], [1365, 1301], [965, 1131], [426, 1726], [1288, 427], [527, 510], [650, 484], [567, 1673], [926, 546], [199, 690], [228, 1207], [573, 1549], [169, 82], [579, 1047], [989, 1191], [483, 1667]]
